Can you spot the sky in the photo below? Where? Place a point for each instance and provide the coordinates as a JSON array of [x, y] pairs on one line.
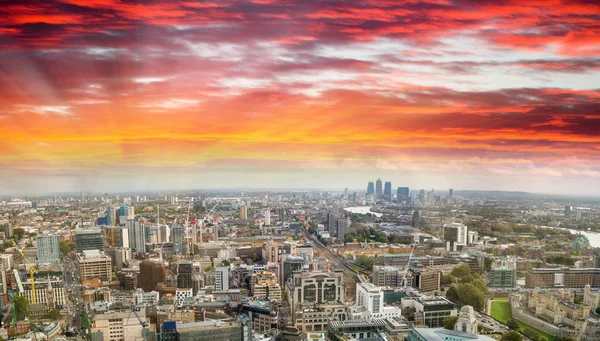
[[109, 95]]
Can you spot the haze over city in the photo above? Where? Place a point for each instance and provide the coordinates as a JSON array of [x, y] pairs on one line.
[[110, 95]]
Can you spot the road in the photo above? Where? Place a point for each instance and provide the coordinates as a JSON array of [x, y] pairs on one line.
[[73, 287]]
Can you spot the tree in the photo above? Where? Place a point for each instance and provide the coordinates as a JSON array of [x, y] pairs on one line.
[[208, 268], [452, 294], [513, 324], [488, 264], [468, 294], [384, 239], [598, 310], [18, 233], [65, 248], [511, 336], [461, 271], [450, 322], [480, 285], [225, 262], [254, 257], [21, 306], [448, 279], [53, 314], [562, 338]]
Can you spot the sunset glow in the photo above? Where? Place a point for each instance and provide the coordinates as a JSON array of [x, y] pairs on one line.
[[116, 94]]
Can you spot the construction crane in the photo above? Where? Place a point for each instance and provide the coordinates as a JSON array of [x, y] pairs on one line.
[[206, 217], [32, 271], [407, 266], [134, 311]]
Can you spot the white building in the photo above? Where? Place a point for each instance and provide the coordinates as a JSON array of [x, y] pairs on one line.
[[222, 278], [458, 232], [48, 248], [182, 294], [47, 291], [267, 217], [8, 261], [140, 297], [369, 303]]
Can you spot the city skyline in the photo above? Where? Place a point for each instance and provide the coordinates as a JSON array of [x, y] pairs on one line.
[[109, 95]]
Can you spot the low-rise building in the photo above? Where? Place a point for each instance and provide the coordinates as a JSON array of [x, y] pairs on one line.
[[430, 311], [94, 264]]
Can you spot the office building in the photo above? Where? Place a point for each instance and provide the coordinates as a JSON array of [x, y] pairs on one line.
[[317, 287], [272, 251], [503, 274], [214, 331], [341, 228], [429, 310], [48, 290], [121, 236], [450, 193], [290, 265], [387, 191], [89, 239], [94, 264], [427, 280], [8, 261], [441, 334], [222, 278], [568, 211], [48, 248], [369, 297], [391, 276], [457, 233], [264, 284], [378, 189], [151, 274], [370, 188], [244, 212], [137, 238], [562, 278], [120, 256], [267, 217], [178, 239], [117, 326], [416, 219], [403, 194], [184, 275]]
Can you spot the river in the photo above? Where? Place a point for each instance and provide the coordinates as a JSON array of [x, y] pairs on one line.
[[362, 210], [593, 237]]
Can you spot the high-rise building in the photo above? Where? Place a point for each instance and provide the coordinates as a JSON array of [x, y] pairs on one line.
[[450, 193], [137, 238], [94, 264], [567, 211], [121, 235], [331, 222], [370, 298], [378, 188], [89, 239], [290, 265], [403, 194], [48, 248], [422, 197], [178, 238], [267, 217], [387, 191], [341, 228], [151, 274], [244, 212], [222, 278], [416, 219], [184, 275], [370, 188]]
